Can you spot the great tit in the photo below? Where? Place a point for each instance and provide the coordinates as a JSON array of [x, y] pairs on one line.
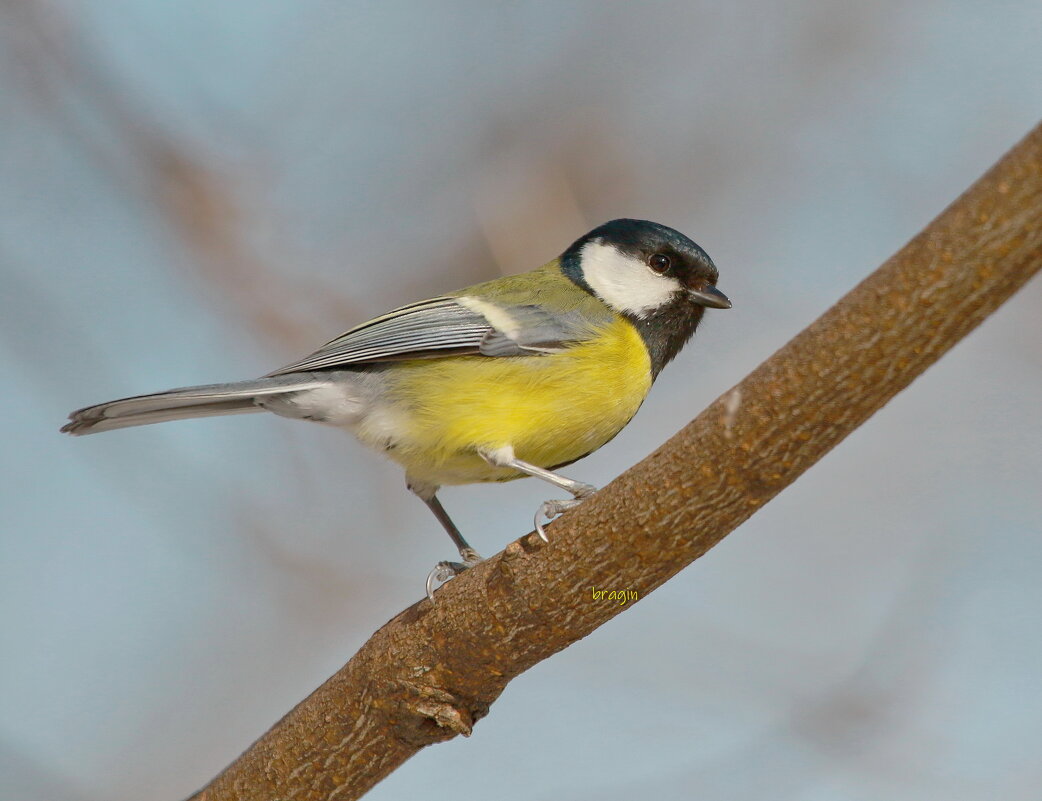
[[518, 376]]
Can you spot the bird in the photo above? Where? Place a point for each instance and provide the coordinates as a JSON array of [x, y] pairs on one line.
[[518, 376]]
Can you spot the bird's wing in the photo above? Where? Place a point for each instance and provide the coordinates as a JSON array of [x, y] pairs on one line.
[[449, 326]]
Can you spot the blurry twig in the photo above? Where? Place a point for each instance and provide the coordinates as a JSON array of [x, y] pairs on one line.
[[69, 83], [202, 204]]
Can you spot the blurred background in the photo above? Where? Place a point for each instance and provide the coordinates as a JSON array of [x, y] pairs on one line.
[[195, 192]]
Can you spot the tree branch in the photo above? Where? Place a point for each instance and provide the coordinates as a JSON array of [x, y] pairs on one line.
[[434, 670]]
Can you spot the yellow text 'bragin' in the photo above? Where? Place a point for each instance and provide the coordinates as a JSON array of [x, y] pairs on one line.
[[621, 597]]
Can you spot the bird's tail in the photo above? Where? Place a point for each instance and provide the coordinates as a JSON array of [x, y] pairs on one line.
[[181, 404]]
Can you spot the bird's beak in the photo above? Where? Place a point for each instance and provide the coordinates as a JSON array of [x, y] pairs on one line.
[[710, 296]]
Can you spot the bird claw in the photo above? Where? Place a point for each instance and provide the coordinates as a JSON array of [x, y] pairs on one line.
[[443, 571], [583, 491], [551, 509], [548, 510]]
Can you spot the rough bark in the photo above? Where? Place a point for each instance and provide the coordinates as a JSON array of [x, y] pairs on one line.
[[434, 670]]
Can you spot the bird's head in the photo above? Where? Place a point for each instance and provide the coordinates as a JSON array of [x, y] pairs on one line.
[[650, 274], [638, 268]]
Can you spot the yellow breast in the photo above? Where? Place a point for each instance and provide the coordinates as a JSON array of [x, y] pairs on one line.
[[551, 409]]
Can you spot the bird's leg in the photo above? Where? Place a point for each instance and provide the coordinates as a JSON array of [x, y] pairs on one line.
[[468, 554], [504, 457], [443, 571]]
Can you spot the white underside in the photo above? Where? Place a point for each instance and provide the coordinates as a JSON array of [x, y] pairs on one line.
[[350, 400]]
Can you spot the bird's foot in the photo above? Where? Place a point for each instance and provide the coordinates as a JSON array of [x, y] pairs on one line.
[[551, 509], [443, 571]]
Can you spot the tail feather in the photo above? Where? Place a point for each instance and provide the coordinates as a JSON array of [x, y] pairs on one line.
[[182, 404]]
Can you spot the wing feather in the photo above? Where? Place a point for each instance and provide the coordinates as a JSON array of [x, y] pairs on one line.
[[446, 327]]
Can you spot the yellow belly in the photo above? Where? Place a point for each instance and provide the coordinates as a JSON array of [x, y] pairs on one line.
[[551, 409]]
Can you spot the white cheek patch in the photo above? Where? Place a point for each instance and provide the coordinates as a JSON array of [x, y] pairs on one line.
[[623, 282]]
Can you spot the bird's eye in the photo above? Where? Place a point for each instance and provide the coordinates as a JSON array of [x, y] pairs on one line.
[[659, 263]]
